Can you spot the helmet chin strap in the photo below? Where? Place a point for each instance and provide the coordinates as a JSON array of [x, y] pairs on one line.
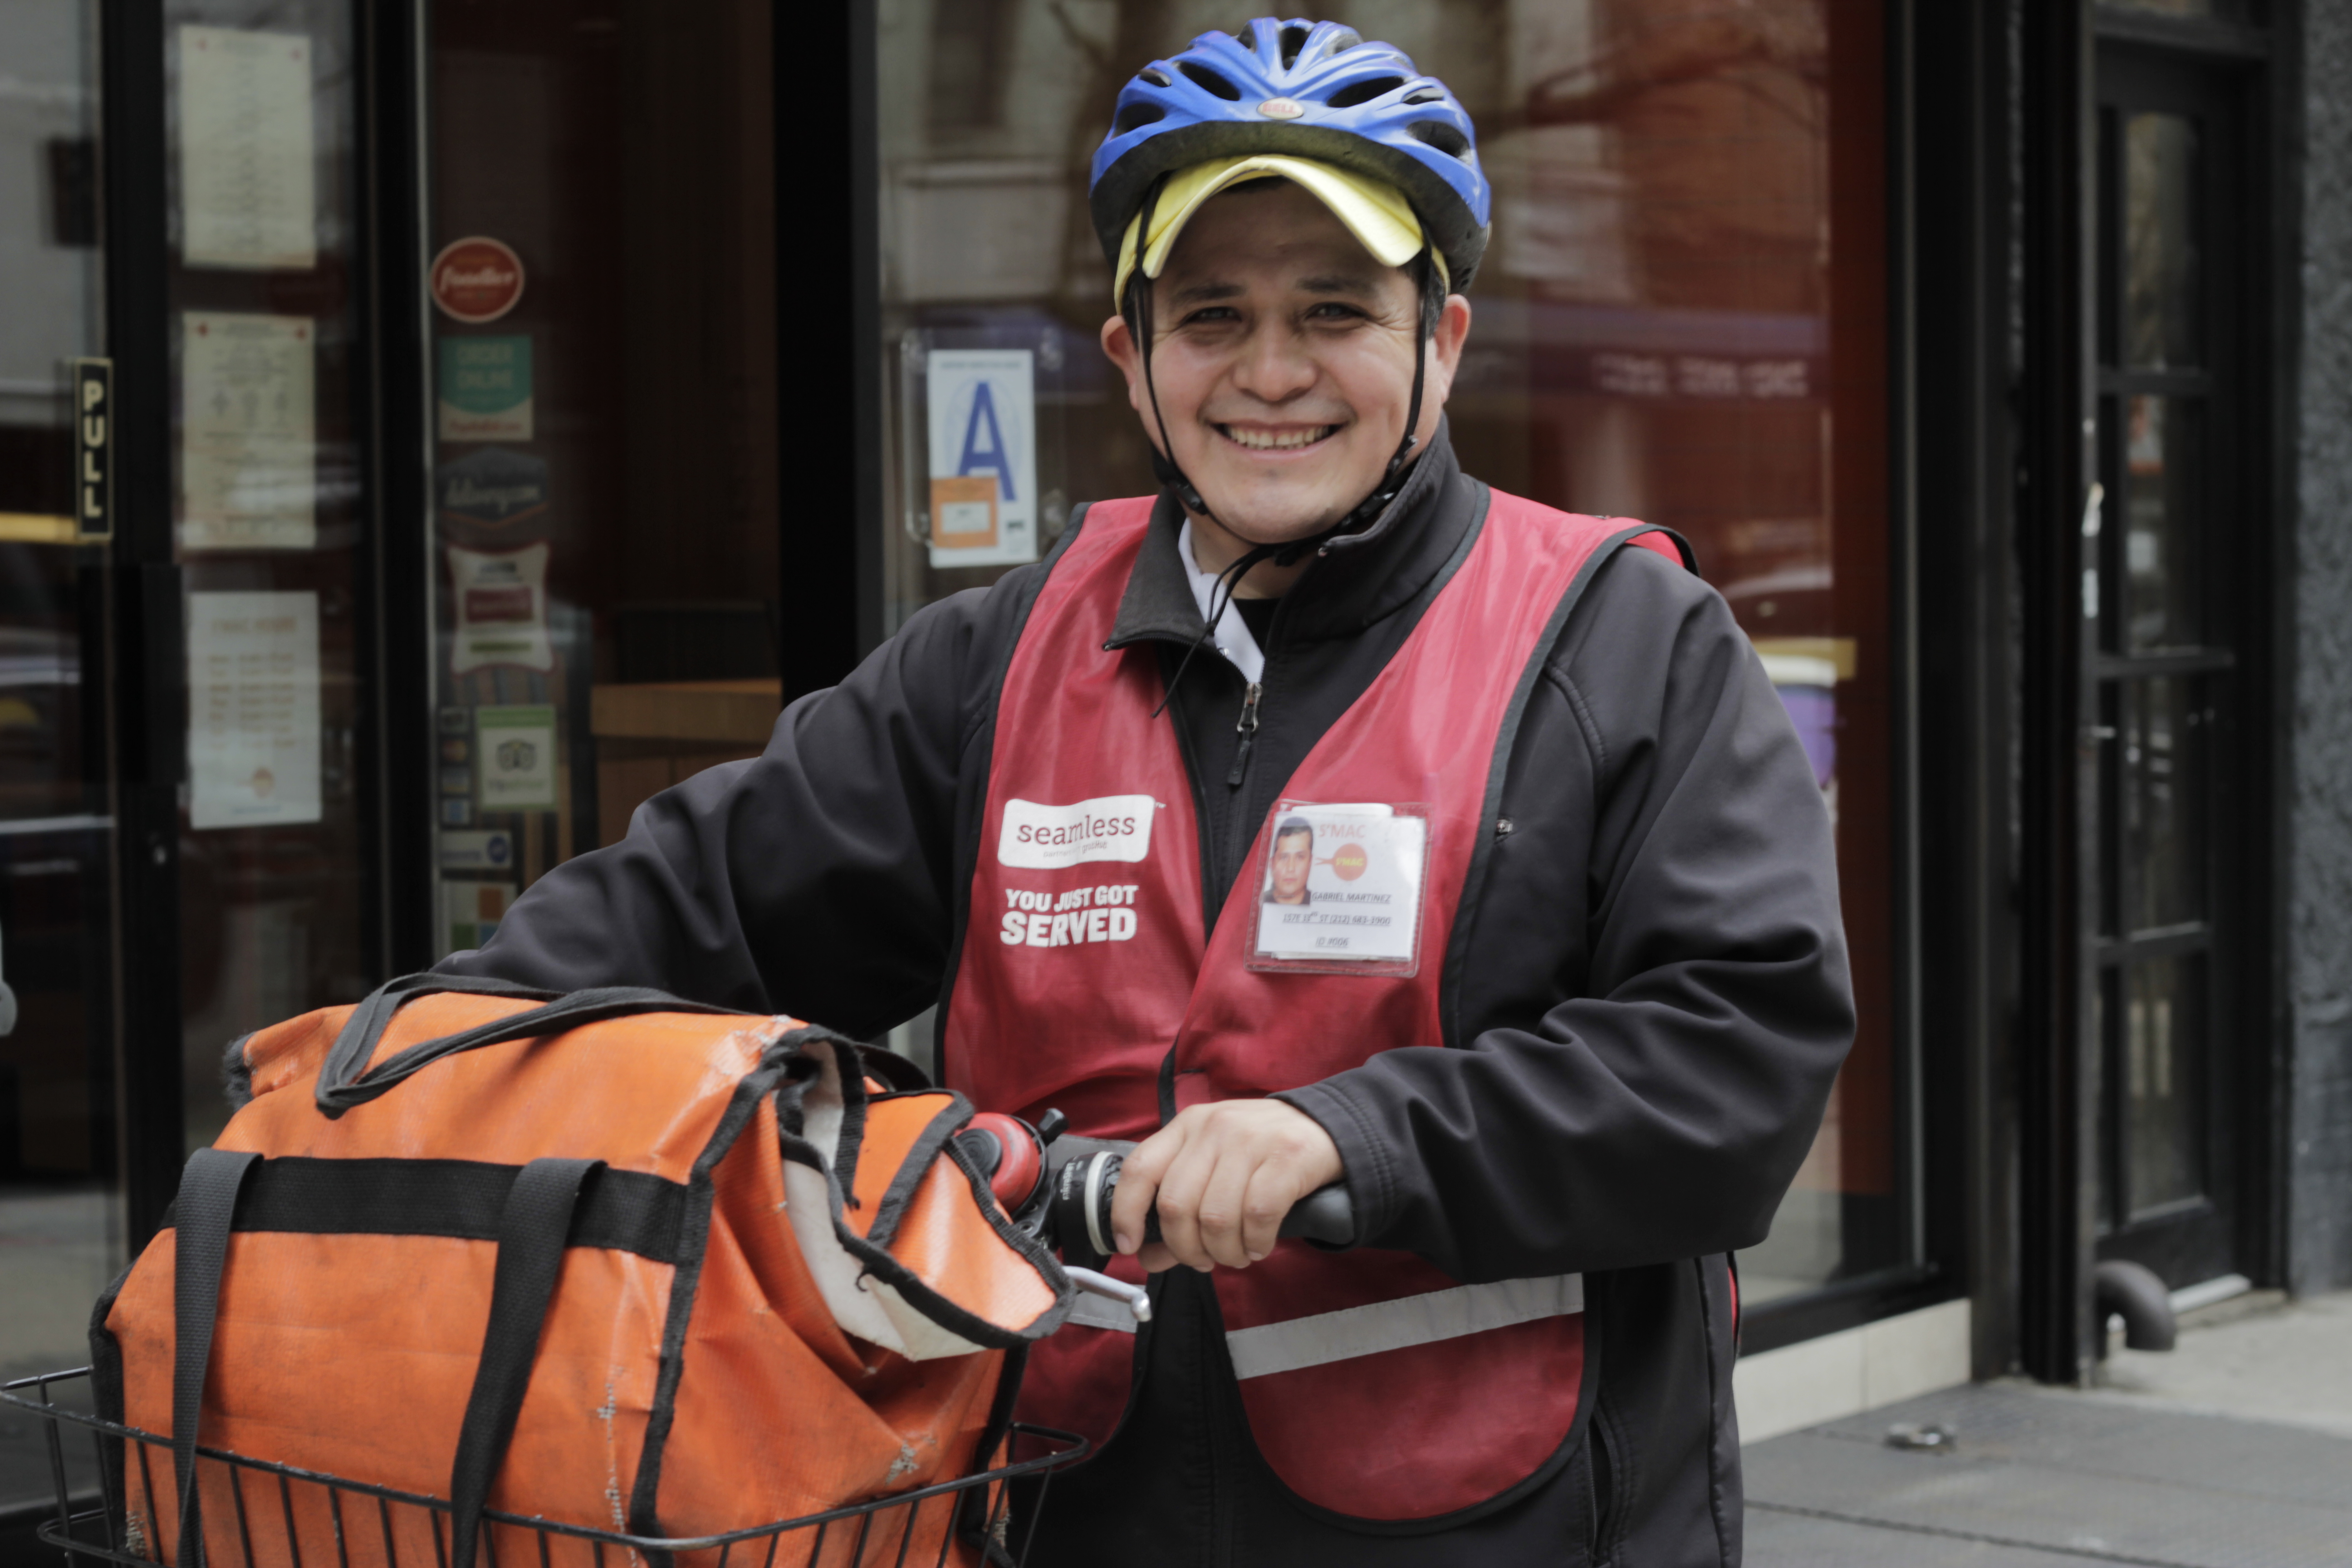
[[1172, 478]]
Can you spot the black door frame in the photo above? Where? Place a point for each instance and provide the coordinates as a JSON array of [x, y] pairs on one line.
[[147, 680], [398, 794], [1964, 459]]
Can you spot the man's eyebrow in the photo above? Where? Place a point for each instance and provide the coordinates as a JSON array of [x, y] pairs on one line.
[[1340, 283], [1347, 285], [1203, 294]]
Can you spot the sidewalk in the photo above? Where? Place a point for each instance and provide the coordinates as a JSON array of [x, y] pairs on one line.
[[2232, 1451]]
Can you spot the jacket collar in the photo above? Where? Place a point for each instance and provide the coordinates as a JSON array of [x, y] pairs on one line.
[[1354, 582]]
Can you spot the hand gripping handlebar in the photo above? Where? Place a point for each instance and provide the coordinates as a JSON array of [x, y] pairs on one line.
[[1059, 1187]]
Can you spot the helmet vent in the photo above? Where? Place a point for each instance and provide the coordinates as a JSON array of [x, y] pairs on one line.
[[1135, 114], [1155, 76], [1358, 93], [1210, 81], [1293, 40], [1340, 42], [1248, 36], [1445, 138], [1420, 95]]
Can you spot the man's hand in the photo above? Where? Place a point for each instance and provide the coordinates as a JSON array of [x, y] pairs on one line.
[[1223, 1177]]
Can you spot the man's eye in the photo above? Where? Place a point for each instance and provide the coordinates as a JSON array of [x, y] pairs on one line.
[[1330, 312], [1213, 315]]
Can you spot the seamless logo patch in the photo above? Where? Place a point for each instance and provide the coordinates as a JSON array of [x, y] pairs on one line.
[[1045, 837]]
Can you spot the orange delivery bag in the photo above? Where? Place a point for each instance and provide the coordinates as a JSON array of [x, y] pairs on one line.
[[610, 1259]]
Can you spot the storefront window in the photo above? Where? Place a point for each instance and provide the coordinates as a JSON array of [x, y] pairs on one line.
[[606, 522], [1682, 317]]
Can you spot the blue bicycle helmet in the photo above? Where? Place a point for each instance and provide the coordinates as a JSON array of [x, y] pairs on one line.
[[1310, 89]]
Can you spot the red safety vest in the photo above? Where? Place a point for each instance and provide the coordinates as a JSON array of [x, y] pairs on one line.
[[1375, 1384]]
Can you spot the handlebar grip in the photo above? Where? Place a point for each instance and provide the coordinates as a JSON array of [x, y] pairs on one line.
[[1085, 1178], [1326, 1215]]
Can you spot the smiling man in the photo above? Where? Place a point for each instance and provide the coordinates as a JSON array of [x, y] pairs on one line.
[[1566, 1048]]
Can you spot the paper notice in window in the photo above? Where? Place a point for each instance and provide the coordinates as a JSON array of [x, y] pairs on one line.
[[248, 429], [253, 709], [246, 184]]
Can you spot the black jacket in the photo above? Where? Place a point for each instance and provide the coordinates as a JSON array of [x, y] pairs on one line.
[[1653, 997]]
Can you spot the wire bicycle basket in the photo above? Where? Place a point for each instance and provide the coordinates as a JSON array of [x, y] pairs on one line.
[[281, 1515]]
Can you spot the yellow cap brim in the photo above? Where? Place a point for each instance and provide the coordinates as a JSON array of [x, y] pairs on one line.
[[1375, 211]]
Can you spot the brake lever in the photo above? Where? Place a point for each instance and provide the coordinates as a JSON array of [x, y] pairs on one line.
[[1136, 1298]]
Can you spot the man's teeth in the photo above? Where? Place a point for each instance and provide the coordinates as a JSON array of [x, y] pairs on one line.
[[1275, 441]]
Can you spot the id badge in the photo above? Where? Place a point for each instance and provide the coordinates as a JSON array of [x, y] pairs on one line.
[[1339, 889]]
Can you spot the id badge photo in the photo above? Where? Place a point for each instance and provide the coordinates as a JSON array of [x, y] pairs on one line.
[[1339, 889]]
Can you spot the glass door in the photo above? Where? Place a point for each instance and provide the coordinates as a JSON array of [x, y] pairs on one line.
[[2169, 560], [60, 1226], [271, 519]]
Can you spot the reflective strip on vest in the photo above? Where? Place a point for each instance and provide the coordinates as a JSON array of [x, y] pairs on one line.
[[1396, 1325]]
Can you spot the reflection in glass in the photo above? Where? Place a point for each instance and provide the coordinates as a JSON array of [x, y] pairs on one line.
[[2162, 324], [2164, 740], [605, 533], [2163, 518], [60, 1226], [2171, 8], [2164, 1040]]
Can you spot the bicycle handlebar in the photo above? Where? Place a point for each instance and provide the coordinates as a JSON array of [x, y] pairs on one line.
[[1066, 1183]]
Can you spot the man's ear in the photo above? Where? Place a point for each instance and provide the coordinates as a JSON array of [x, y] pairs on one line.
[[1445, 350], [1118, 347]]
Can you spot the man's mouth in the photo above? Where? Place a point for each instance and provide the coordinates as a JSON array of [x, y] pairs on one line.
[[1284, 440]]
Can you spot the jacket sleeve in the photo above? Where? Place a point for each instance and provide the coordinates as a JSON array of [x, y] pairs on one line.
[[814, 880], [1657, 998]]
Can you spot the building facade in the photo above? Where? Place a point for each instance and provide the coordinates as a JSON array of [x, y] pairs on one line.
[[429, 428]]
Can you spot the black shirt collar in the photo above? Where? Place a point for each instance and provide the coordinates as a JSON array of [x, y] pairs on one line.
[[1352, 583]]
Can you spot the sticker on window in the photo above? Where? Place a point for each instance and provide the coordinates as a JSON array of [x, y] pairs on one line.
[[1339, 889]]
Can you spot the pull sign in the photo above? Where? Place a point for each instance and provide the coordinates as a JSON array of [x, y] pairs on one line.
[[93, 396]]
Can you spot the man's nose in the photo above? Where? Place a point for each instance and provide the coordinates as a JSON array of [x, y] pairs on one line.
[[1274, 365]]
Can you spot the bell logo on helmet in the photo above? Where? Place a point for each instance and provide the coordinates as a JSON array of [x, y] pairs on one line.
[[1282, 109]]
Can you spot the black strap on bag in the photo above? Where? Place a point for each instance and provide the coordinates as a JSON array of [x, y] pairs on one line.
[[532, 1233], [206, 1209], [535, 1227], [345, 1080]]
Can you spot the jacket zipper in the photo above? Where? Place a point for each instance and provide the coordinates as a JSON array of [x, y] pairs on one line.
[[1246, 727], [1601, 1467]]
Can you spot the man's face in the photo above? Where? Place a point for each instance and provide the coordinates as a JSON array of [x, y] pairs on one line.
[[1282, 355], [1292, 853]]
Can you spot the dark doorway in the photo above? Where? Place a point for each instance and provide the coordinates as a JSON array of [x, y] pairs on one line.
[[2171, 561]]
